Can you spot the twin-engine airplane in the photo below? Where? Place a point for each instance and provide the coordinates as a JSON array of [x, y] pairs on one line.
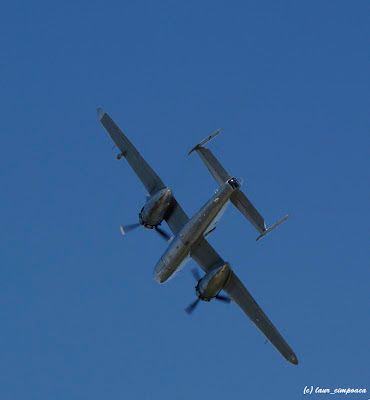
[[189, 240]]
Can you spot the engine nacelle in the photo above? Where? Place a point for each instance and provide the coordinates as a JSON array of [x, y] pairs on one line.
[[153, 212], [213, 282]]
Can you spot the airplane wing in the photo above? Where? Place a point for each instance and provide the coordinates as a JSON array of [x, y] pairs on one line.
[[207, 258], [142, 169], [175, 217]]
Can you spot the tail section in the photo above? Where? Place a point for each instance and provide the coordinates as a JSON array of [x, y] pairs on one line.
[[239, 199]]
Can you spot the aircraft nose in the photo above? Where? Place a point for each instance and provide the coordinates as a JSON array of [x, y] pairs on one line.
[[158, 272]]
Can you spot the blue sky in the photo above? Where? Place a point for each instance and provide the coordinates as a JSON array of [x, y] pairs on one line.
[[81, 316]]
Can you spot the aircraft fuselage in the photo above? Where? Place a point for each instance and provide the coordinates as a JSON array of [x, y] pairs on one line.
[[178, 252]]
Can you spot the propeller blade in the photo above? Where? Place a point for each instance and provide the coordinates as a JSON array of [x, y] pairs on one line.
[[226, 299], [164, 234], [195, 273], [189, 309], [127, 228]]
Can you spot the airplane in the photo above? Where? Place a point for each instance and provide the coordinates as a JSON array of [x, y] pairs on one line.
[[190, 234]]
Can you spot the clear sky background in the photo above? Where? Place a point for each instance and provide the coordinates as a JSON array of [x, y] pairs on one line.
[[81, 315]]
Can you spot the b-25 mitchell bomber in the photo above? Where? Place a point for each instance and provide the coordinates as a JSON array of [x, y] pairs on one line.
[[189, 241]]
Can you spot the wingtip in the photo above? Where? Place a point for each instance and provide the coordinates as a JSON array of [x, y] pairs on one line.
[[293, 359], [101, 113]]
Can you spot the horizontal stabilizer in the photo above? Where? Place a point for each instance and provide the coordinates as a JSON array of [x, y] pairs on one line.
[[213, 165], [243, 204], [264, 233], [210, 161]]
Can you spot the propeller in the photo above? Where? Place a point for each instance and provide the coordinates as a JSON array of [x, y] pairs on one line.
[[164, 234], [128, 228], [195, 273], [189, 309], [225, 299]]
